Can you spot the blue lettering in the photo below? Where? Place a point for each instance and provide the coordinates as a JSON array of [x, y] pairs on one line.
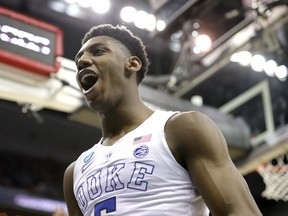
[[93, 185], [113, 181], [108, 205], [137, 179], [95, 182], [81, 199]]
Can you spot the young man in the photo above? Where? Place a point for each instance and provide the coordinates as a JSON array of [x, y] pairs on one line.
[[147, 162]]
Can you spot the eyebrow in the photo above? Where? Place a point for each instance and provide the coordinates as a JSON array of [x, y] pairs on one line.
[[89, 48], [77, 56]]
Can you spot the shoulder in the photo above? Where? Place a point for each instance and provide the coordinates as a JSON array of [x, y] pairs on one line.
[[68, 180], [69, 196], [188, 123], [68, 174], [70, 167], [194, 134], [190, 116]]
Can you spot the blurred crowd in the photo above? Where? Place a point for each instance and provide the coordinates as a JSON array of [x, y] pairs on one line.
[[39, 176]]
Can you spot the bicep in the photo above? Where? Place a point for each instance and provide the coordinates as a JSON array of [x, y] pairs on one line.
[[70, 199]]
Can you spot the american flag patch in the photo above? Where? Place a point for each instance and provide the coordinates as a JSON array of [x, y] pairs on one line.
[[142, 139]]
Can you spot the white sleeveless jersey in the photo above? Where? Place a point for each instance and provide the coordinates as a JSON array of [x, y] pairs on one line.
[[136, 176]]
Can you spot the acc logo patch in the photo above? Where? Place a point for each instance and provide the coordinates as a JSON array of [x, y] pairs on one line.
[[141, 151], [88, 157], [87, 161]]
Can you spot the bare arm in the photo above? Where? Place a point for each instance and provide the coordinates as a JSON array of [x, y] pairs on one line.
[[198, 144], [59, 212], [70, 199]]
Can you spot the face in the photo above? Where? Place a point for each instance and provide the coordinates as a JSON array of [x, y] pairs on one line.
[[101, 64]]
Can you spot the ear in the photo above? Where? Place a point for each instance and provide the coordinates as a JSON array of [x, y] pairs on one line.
[[133, 64]]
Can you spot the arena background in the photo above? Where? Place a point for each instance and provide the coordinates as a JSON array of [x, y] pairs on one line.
[[45, 123]]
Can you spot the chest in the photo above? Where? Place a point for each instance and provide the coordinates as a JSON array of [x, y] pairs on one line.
[[116, 165], [106, 171]]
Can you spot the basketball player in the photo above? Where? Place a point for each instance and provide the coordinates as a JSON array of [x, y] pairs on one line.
[[148, 162]]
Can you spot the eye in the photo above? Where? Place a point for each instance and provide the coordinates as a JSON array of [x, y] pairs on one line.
[[98, 51]]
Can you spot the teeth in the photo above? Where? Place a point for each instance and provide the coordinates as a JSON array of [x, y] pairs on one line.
[[88, 79], [87, 75]]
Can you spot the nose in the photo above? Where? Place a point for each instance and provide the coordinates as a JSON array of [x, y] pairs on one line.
[[84, 61]]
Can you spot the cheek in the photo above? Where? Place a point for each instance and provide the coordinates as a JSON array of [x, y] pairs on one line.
[[114, 68], [117, 71]]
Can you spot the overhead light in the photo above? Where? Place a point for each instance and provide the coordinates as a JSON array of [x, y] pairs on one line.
[[127, 14], [257, 63], [196, 25], [270, 67], [176, 36], [144, 20], [150, 22], [85, 3], [70, 1], [160, 25], [175, 46], [281, 72], [194, 33], [232, 14], [73, 10], [101, 6], [197, 100], [57, 6], [203, 42], [243, 58], [196, 50], [139, 20]]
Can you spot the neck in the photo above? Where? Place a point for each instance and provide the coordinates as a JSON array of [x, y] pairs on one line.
[[121, 121]]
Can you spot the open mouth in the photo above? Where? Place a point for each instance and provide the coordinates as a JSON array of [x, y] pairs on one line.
[[87, 79]]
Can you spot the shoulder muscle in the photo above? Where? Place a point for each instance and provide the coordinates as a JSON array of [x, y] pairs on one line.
[[192, 135]]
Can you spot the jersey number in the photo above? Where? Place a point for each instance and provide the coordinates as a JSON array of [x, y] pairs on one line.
[[109, 205]]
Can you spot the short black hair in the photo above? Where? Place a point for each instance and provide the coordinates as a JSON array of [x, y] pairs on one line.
[[127, 38]]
